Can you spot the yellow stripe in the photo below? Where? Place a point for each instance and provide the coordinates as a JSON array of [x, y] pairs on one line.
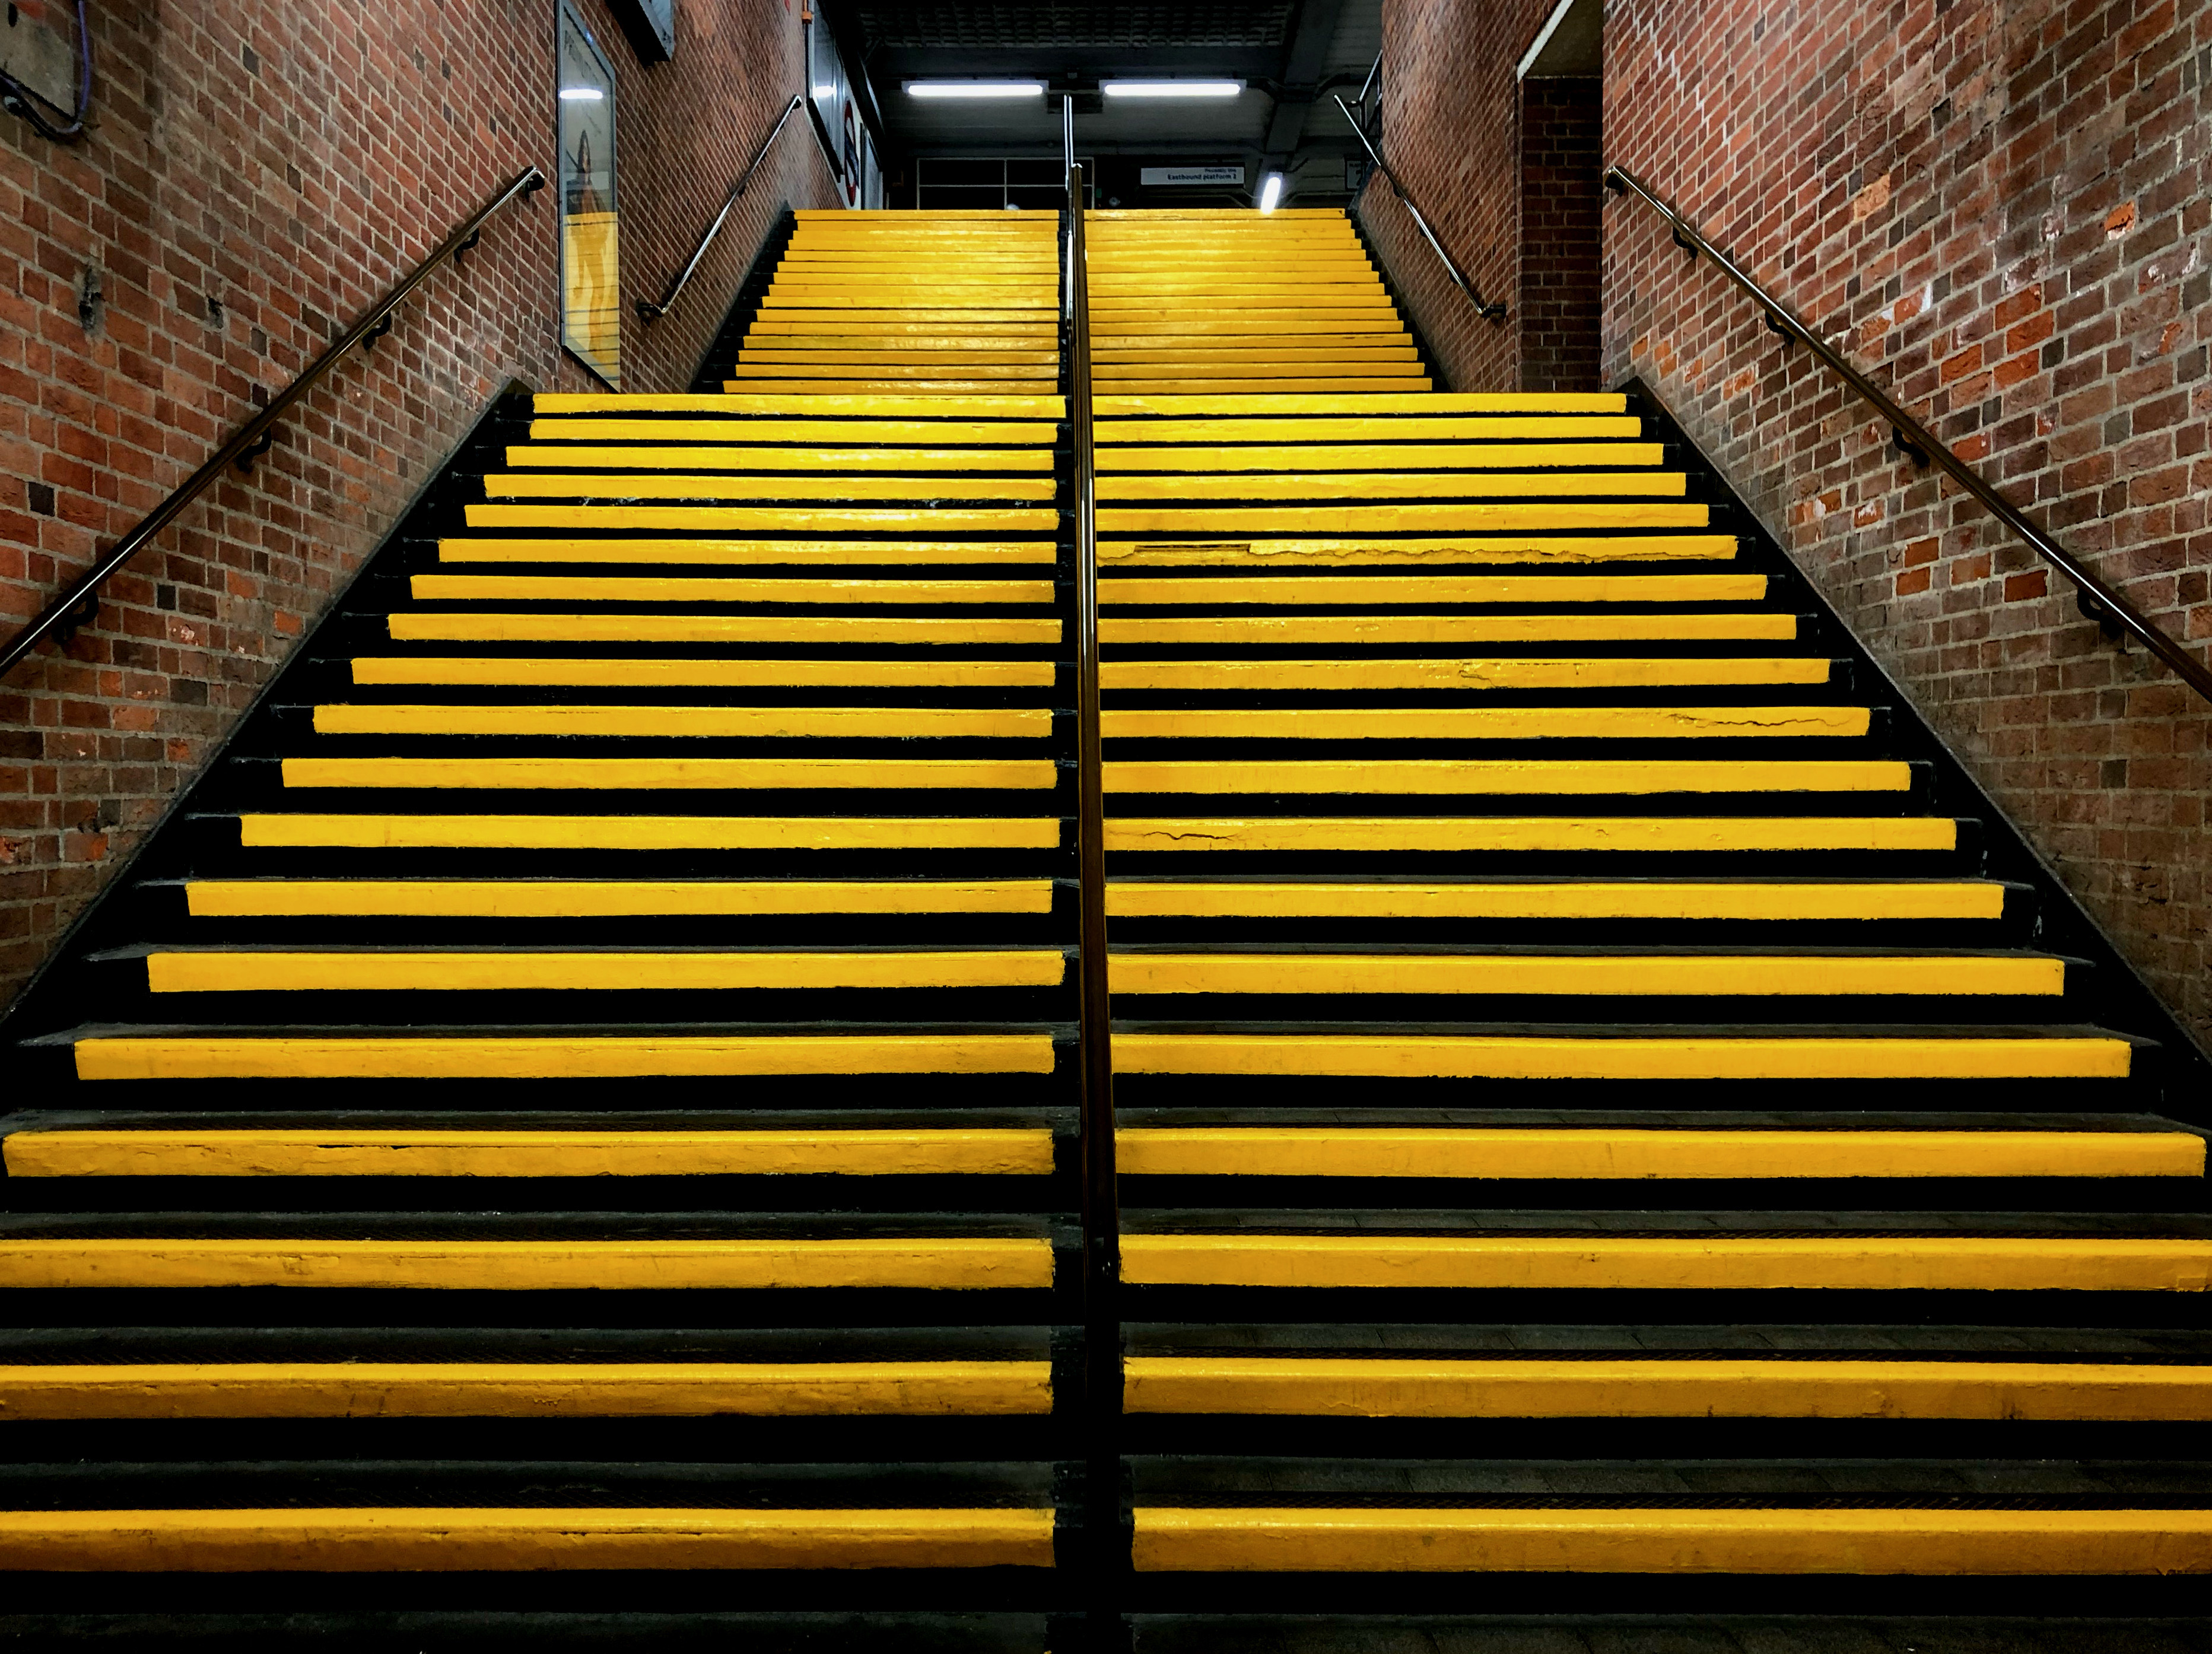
[[650, 673], [1614, 1152], [1484, 723], [598, 898], [1364, 487], [395, 971], [1371, 458], [533, 486], [1648, 899], [1375, 590], [1337, 426], [904, 433], [1447, 630], [1626, 1388], [1452, 777], [1704, 1262], [1502, 548], [804, 407], [648, 832], [1517, 1057], [723, 723], [634, 774], [742, 553], [794, 518], [625, 1390], [442, 1539], [1631, 835], [754, 459], [1347, 381], [556, 1057], [1285, 675], [1432, 403], [964, 1263], [1367, 519], [1675, 1541], [1760, 974], [350, 1152], [652, 588], [1000, 631]]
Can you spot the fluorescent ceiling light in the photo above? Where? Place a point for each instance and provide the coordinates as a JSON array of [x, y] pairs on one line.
[[1271, 192], [825, 91], [975, 89], [1170, 88], [581, 95]]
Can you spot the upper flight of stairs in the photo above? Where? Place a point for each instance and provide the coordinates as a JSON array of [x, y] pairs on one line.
[[585, 1083]]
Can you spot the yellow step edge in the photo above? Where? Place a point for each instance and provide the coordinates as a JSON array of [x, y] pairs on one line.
[[628, 832], [614, 1390], [1628, 835], [1342, 385], [1130, 898], [1621, 1152], [395, 971], [1445, 631], [1376, 457], [1043, 330], [1674, 1540], [964, 375], [1576, 777], [745, 553], [1598, 976], [748, 486], [1415, 551], [1700, 1262], [692, 723], [1570, 516], [1493, 672], [464, 627], [731, 457], [1553, 403], [1485, 723], [1319, 591], [794, 518], [1570, 485], [811, 408], [447, 1539], [630, 774], [550, 898], [1107, 373], [900, 433], [353, 1151], [821, 353], [930, 346], [577, 671], [1235, 349], [1337, 427], [1248, 322], [676, 588], [954, 1264]]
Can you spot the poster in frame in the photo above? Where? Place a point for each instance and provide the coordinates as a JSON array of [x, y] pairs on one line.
[[590, 219]]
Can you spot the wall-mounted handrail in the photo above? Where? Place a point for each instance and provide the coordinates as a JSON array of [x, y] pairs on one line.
[[1483, 308], [1101, 1197], [76, 605], [2096, 600], [648, 310]]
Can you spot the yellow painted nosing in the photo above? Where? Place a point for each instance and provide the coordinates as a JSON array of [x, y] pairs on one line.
[[1448, 776], [1450, 631], [343, 1151], [1005, 631], [953, 1264], [1485, 723], [1444, 673], [1369, 458], [1749, 975], [1668, 899], [381, 971], [902, 433], [1432, 403], [1567, 516], [1303, 485], [1701, 1262], [1419, 550], [1613, 1152], [443, 1539], [626, 1389], [1628, 1388], [626, 832], [742, 553], [1377, 590], [721, 723], [1627, 835], [804, 407], [1339, 385], [733, 458], [1338, 426], [532, 898], [642, 672], [736, 486], [794, 518], [1674, 1540], [562, 775]]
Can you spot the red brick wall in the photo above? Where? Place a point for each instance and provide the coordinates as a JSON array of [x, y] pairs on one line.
[[1557, 319], [284, 163], [2000, 208]]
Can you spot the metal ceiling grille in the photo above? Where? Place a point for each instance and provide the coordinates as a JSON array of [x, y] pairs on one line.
[[897, 24]]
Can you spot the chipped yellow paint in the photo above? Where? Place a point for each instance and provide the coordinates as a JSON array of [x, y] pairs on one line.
[[392, 970], [547, 898], [1490, 549], [1449, 631], [633, 774], [1577, 776], [1566, 516], [1631, 835], [1669, 898], [648, 672], [1811, 975], [627, 832], [1501, 673], [462, 628], [689, 723], [671, 588], [1378, 590], [1362, 486], [1372, 458], [1485, 723]]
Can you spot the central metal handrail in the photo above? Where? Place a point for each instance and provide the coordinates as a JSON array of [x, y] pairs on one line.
[[1483, 308], [2096, 600], [648, 309], [76, 606]]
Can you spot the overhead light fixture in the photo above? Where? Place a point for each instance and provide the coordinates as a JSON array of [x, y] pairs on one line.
[[824, 91], [581, 95], [1271, 192], [1170, 88], [975, 89]]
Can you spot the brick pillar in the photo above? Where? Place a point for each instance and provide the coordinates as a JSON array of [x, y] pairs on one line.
[[1562, 160]]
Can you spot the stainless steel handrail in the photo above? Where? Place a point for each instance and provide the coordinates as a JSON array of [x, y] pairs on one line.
[[647, 310], [2096, 600], [1483, 308], [76, 605]]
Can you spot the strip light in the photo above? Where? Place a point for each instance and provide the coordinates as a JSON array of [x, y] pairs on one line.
[[1271, 192], [581, 95], [975, 89], [1170, 88]]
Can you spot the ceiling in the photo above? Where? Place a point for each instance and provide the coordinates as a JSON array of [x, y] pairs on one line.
[[1289, 53]]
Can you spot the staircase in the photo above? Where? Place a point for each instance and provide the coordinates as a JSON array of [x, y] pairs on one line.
[[577, 1106]]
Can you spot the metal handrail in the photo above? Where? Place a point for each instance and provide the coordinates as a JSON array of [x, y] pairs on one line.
[[1483, 308], [1101, 1200], [2096, 600], [76, 606], [650, 312]]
